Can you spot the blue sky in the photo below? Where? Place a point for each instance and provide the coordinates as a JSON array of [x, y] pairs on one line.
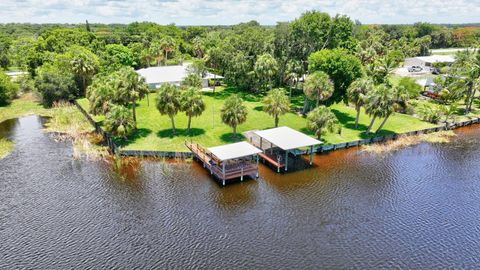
[[214, 12]]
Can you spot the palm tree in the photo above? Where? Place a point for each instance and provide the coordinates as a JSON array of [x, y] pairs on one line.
[[276, 103], [84, 65], [146, 57], [292, 75], [318, 86], [119, 121], [168, 45], [466, 70], [380, 103], [234, 113], [383, 68], [168, 102], [192, 80], [356, 93], [265, 69], [156, 51], [137, 88], [100, 95], [192, 104], [321, 119]]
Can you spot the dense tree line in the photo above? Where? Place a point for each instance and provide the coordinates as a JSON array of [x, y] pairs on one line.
[[329, 58]]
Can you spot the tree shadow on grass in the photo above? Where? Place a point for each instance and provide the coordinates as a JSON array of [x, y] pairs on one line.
[[258, 108], [137, 134], [228, 137], [344, 118], [168, 133], [230, 90]]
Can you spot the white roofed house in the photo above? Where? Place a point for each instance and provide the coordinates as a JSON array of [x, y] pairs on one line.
[[428, 61], [156, 76]]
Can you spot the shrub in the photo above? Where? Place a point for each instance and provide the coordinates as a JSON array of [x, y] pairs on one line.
[[56, 86], [8, 89], [411, 86], [429, 112]]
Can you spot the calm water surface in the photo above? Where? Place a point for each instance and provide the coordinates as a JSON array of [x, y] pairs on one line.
[[418, 208]]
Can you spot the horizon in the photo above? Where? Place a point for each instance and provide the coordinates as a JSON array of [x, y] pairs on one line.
[[231, 12]]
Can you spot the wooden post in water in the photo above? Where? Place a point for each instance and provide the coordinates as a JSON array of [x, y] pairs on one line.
[[286, 160], [223, 172], [241, 172], [311, 154], [257, 166]]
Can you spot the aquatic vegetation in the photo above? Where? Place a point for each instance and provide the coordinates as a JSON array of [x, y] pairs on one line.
[[407, 141], [68, 123], [6, 147]]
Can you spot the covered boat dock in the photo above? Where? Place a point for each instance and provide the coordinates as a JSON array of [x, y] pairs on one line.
[[228, 162], [278, 143]]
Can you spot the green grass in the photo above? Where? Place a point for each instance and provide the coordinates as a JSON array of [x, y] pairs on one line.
[[6, 147], [155, 133], [26, 105]]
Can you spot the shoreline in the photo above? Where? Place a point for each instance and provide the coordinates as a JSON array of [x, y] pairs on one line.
[[114, 149]]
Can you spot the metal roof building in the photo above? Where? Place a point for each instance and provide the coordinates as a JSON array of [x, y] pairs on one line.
[[156, 76]]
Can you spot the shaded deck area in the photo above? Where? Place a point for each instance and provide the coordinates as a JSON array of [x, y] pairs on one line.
[[228, 162], [280, 146]]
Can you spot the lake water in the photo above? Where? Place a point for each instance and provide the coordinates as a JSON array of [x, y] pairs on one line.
[[417, 208]]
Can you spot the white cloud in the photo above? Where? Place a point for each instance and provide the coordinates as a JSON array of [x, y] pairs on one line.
[[210, 12]]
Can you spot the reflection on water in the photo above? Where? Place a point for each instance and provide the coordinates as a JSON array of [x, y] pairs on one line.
[[416, 208]]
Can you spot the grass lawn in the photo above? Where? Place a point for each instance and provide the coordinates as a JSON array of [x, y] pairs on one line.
[[155, 133]]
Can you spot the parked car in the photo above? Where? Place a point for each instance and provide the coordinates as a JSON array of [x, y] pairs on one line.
[[414, 69]]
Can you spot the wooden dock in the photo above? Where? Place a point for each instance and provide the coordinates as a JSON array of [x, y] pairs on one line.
[[272, 161], [220, 169]]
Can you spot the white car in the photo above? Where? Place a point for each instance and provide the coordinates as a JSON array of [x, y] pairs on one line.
[[414, 69]]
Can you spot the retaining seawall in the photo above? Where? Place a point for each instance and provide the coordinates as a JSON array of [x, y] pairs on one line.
[[114, 149]]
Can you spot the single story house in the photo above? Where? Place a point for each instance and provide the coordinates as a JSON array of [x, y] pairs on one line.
[[15, 74], [428, 61], [156, 76]]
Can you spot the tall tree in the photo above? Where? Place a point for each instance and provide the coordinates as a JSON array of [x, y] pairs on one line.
[[341, 66], [192, 80], [357, 92], [169, 102], [318, 87], [168, 45], [192, 104], [381, 101], [276, 103], [322, 119], [135, 88], [265, 69], [156, 51], [466, 71], [383, 68], [84, 64], [101, 94], [234, 113], [116, 56], [292, 75], [55, 84]]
